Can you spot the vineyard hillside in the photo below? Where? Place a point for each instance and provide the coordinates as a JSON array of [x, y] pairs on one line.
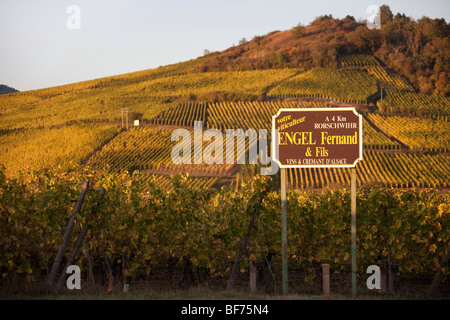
[[118, 132], [396, 120]]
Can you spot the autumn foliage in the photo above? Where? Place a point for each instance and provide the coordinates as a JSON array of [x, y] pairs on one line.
[[418, 50], [151, 228]]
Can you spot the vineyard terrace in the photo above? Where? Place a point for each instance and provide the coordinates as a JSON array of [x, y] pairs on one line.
[[213, 152]]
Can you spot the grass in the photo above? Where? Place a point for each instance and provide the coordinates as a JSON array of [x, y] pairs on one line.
[[215, 290], [195, 293]]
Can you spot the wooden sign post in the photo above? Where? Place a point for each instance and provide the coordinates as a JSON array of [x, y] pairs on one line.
[[284, 250], [314, 138], [353, 229]]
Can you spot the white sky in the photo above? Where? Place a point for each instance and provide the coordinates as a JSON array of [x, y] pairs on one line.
[[38, 50]]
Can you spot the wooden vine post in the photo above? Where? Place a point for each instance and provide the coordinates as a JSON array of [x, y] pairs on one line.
[[78, 243], [433, 289], [253, 208], [244, 242], [67, 235]]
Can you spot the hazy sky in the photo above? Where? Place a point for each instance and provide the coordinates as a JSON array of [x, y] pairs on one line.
[[38, 49]]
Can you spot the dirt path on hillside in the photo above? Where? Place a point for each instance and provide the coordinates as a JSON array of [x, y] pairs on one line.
[[194, 171]]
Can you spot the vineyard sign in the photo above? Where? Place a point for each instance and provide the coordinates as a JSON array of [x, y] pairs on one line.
[[318, 137], [314, 138]]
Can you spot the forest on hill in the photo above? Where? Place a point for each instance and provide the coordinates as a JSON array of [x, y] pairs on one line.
[[418, 50]]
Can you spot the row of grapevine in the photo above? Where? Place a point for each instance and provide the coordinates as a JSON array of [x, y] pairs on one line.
[[392, 170], [150, 150], [134, 150], [182, 115], [201, 170], [143, 149], [345, 85], [389, 81], [373, 67], [375, 139], [146, 92], [249, 115], [254, 115], [46, 147], [416, 133], [35, 109], [258, 115], [358, 61], [253, 82], [414, 104], [165, 182], [206, 226]]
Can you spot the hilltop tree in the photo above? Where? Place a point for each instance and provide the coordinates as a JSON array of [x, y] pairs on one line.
[[386, 15], [299, 30], [442, 86], [349, 17], [243, 41], [365, 40]]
